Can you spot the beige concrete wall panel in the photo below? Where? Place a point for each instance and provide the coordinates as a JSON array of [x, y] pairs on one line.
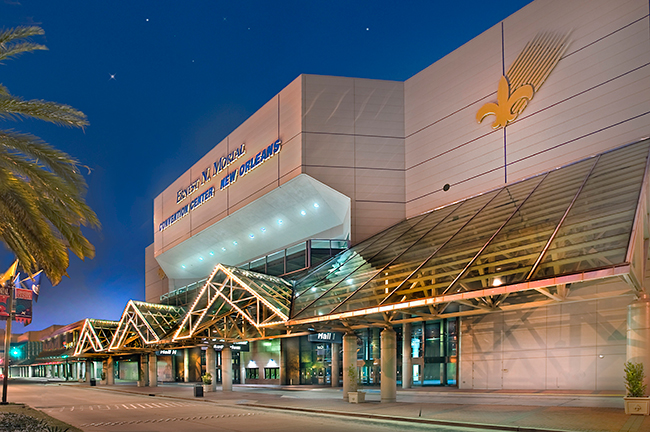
[[454, 166], [588, 20], [290, 158], [379, 108], [379, 185], [562, 124], [291, 110], [247, 187], [373, 217], [291, 175], [522, 339], [149, 259], [328, 104], [459, 79], [258, 131], [608, 371], [516, 368], [211, 211], [424, 182], [576, 371], [379, 152], [340, 179], [169, 206], [328, 150], [582, 334], [157, 218]]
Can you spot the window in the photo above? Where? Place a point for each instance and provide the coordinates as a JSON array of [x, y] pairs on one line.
[[252, 373], [271, 373]]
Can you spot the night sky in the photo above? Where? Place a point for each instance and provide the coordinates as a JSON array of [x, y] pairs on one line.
[[163, 82]]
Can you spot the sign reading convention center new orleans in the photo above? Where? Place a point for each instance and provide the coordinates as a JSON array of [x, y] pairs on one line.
[[524, 78], [226, 181]]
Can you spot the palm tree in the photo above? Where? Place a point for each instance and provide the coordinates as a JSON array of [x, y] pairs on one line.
[[42, 191]]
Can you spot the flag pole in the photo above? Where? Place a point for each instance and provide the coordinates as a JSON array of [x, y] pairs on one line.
[[9, 285]]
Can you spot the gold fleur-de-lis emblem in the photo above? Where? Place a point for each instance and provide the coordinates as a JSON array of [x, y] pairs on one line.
[[507, 108], [524, 78]]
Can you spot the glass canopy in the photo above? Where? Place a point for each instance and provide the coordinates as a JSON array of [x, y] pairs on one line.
[[569, 220]]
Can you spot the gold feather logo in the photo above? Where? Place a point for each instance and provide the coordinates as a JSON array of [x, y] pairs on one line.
[[524, 78]]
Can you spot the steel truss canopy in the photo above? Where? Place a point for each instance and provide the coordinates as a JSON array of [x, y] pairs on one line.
[[539, 241], [236, 304], [96, 336], [502, 249], [144, 324]]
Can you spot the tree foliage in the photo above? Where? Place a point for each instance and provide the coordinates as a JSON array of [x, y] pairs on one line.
[[634, 377], [42, 206]]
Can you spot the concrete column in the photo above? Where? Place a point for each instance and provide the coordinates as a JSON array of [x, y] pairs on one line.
[[638, 333], [142, 371], [31, 371], [336, 364], [349, 361], [226, 368], [407, 361], [211, 365], [110, 371], [376, 355], [89, 371], [186, 365], [388, 365], [153, 370]]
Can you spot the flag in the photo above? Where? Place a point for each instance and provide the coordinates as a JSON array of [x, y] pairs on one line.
[[9, 273], [33, 283]]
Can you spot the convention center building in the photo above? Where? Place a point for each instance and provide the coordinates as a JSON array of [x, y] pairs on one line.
[[483, 224]]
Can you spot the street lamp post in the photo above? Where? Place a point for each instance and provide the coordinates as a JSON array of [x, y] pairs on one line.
[[10, 306]]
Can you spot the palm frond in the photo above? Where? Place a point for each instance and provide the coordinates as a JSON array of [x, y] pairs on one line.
[[10, 48], [15, 108]]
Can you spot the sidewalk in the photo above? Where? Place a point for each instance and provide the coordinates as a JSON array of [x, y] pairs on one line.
[[494, 410]]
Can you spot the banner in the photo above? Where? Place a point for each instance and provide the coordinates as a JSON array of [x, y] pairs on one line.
[[22, 305]]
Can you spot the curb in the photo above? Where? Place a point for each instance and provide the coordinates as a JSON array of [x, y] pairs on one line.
[[486, 426]]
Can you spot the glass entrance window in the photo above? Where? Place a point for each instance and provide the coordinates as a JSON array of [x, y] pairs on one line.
[[434, 348]]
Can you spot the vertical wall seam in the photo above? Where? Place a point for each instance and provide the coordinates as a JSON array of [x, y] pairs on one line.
[[503, 72], [278, 137]]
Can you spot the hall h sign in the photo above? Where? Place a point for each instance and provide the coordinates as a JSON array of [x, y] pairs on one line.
[[330, 337]]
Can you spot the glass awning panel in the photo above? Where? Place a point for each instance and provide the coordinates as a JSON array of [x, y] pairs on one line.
[[570, 220], [273, 289], [338, 269], [161, 319]]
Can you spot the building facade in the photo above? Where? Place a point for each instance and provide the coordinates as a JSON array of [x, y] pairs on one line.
[[329, 211]]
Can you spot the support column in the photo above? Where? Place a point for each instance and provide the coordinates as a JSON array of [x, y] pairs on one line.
[[638, 333], [226, 368], [110, 371], [376, 355], [142, 371], [407, 361], [349, 362], [31, 371], [336, 364], [89, 371], [153, 370], [211, 365], [388, 365], [186, 365]]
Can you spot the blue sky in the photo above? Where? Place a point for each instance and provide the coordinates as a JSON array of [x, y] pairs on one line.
[[185, 74]]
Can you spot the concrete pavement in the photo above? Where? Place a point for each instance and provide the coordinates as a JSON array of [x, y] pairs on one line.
[[495, 410]]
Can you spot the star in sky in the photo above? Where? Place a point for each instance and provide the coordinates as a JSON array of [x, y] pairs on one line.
[[112, 77]]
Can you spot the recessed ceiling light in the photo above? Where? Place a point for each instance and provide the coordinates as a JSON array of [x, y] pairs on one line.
[[200, 258], [251, 235], [183, 266], [302, 212], [279, 221], [223, 249], [316, 205], [263, 229], [211, 253], [234, 243]]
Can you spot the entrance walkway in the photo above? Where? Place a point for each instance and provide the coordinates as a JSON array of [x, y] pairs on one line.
[[500, 410]]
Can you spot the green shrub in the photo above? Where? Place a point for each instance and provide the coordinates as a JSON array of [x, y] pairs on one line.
[[634, 377]]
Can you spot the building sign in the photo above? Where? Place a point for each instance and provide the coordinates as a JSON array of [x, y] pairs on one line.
[[237, 346], [329, 337], [251, 164], [166, 352], [524, 78], [211, 171]]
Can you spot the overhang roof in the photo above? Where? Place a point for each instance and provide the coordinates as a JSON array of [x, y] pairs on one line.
[[570, 224]]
